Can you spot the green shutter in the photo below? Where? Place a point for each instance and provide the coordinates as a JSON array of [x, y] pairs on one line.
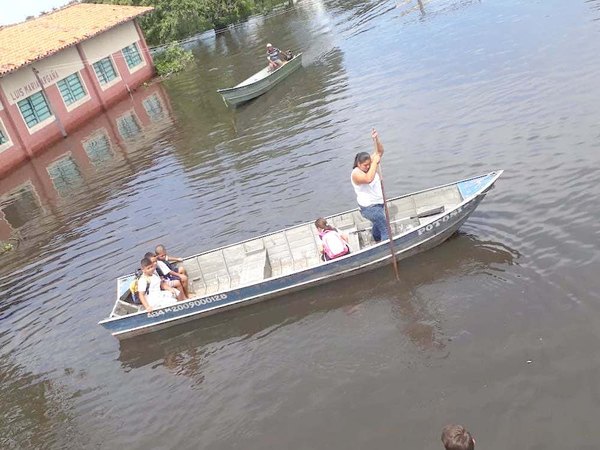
[[154, 108], [132, 55], [34, 109], [65, 175], [3, 139], [98, 149], [71, 89], [105, 70], [128, 126]]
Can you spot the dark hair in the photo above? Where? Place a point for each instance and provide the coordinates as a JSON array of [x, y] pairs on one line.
[[149, 255], [456, 437], [145, 262], [360, 158], [322, 224]]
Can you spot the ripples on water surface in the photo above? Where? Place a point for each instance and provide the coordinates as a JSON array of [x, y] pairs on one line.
[[496, 329]]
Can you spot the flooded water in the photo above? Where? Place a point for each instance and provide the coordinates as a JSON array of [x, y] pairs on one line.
[[497, 329]]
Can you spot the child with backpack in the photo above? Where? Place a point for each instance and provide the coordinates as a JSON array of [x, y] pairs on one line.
[[174, 279], [152, 291], [335, 244]]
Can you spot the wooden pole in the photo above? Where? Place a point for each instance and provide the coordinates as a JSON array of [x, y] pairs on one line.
[[387, 215], [52, 111]]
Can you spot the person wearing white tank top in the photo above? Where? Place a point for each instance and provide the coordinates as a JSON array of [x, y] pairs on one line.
[[367, 187]]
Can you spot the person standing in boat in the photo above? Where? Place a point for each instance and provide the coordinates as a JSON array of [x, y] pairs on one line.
[[274, 57], [367, 185]]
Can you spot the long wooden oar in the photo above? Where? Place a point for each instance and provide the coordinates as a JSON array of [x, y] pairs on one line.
[[387, 215]]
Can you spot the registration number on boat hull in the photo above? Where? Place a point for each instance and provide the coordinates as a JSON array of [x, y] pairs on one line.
[[191, 304]]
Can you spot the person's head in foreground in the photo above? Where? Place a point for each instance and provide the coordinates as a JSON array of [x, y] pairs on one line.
[[455, 437]]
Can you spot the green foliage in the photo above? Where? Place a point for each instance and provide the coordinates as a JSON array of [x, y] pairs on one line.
[[173, 59], [177, 19]]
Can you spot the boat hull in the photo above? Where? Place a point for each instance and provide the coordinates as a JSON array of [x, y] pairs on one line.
[[421, 238], [244, 91]]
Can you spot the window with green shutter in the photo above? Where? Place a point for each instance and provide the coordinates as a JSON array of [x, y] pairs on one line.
[[71, 89], [98, 149], [132, 55], [154, 108], [128, 126], [65, 175], [21, 206], [34, 109], [105, 71], [3, 138]]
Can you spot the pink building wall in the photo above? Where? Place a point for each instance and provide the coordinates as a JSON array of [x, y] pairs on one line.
[[25, 145], [35, 173]]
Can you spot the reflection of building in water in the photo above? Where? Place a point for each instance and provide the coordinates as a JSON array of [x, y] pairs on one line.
[[67, 67], [102, 144]]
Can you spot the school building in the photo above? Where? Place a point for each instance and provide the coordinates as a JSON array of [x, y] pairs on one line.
[[60, 69]]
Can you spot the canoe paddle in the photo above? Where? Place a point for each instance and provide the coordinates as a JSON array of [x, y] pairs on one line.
[[379, 148]]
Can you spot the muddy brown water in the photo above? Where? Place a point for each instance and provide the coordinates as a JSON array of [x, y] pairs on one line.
[[496, 329]]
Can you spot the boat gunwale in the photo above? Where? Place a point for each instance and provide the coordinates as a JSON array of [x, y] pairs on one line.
[[272, 292], [483, 190]]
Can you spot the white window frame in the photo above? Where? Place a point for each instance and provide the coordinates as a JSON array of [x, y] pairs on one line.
[[44, 123], [130, 112], [100, 132], [112, 82], [83, 99], [142, 62], [162, 105], [9, 142]]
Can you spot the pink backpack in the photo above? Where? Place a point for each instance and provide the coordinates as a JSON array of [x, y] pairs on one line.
[[333, 244]]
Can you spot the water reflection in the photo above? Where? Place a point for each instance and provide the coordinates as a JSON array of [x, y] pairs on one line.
[[415, 310], [34, 410], [74, 165], [183, 348]]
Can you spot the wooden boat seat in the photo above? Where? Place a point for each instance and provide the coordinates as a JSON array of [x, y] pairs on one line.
[[256, 267], [448, 197], [353, 241], [210, 273], [293, 249], [123, 308]]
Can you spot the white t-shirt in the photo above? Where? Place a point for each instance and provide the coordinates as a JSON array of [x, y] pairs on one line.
[[162, 267], [156, 297], [368, 194]]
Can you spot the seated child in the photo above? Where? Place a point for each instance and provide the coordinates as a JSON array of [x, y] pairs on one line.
[[157, 297], [335, 244], [161, 254], [173, 279]]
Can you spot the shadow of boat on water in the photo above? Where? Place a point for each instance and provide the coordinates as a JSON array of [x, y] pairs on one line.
[[181, 348]]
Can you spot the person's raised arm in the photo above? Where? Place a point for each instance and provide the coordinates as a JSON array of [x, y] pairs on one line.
[[377, 143], [173, 258]]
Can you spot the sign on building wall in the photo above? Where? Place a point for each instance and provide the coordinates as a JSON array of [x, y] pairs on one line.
[[23, 83]]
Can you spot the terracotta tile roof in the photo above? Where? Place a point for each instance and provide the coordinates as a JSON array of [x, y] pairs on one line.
[[38, 38]]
